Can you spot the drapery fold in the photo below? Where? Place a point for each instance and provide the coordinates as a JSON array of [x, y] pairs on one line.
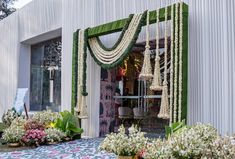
[[111, 57]]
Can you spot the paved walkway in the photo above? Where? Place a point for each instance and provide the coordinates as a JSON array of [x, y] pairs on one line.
[[78, 149]]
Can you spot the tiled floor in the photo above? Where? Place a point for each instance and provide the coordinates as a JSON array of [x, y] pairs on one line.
[[78, 149]]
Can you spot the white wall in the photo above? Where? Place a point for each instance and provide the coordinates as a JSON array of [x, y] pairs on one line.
[[211, 51], [9, 48], [212, 63]]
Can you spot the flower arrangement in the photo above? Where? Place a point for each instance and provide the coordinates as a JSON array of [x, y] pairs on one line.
[[197, 141], [34, 137], [192, 142], [54, 135], [124, 145], [33, 124], [13, 134], [46, 117], [137, 139], [9, 116]]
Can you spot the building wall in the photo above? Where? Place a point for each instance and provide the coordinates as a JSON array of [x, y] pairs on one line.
[[38, 17], [211, 51], [9, 54], [212, 63]]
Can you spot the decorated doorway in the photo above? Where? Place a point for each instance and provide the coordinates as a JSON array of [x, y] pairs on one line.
[[159, 81]]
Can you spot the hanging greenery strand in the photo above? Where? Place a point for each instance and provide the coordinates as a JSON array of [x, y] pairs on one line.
[[111, 57], [171, 63], [146, 71], [176, 62], [180, 59], [157, 83], [164, 109], [74, 71]]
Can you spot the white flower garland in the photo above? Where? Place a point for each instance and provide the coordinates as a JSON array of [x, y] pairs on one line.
[[164, 109], [146, 71], [109, 57], [156, 84], [80, 69], [180, 60], [172, 65], [81, 100], [176, 62]]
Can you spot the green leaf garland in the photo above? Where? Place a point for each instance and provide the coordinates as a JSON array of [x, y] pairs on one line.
[[74, 71]]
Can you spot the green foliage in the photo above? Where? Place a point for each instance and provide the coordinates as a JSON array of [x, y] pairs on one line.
[[68, 123], [174, 128], [74, 71]]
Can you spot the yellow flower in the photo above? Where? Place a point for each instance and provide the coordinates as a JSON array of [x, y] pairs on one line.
[[51, 125]]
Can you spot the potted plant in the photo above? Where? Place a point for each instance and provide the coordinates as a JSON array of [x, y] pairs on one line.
[[53, 135], [13, 135], [123, 145], [68, 123]]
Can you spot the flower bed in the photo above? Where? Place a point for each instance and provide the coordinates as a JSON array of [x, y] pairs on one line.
[[44, 128]]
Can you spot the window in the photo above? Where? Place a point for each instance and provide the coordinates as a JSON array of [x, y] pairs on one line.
[[45, 82]]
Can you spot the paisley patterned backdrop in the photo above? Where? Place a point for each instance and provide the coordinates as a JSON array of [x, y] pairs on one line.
[[107, 104]]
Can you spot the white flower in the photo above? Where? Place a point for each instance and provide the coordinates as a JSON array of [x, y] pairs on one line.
[[13, 134], [54, 135], [123, 144]]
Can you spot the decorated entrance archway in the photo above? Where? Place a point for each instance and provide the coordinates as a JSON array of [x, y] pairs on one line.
[[173, 85]]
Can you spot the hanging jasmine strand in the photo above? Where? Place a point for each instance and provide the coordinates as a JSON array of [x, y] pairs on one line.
[[176, 62], [156, 84], [164, 109], [180, 59], [171, 63], [81, 98], [146, 71], [80, 70]]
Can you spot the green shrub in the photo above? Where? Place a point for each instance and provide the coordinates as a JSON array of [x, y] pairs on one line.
[[68, 123]]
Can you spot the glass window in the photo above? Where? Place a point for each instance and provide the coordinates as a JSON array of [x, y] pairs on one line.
[[45, 85]]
